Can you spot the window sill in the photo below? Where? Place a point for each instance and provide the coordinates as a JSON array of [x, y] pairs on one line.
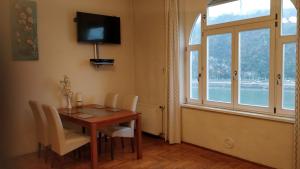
[[241, 113]]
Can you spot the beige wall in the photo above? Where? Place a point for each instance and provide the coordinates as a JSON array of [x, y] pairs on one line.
[[60, 54], [149, 52], [261, 141]]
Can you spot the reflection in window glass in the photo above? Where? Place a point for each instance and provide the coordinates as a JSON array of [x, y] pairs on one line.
[[237, 10], [195, 38], [288, 18], [194, 71], [254, 65], [289, 75], [219, 51]]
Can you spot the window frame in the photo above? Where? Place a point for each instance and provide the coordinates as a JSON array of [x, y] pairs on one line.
[[273, 22], [207, 33], [244, 21], [253, 108], [188, 50]]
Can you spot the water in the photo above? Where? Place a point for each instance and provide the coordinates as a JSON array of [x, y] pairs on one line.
[[258, 95]]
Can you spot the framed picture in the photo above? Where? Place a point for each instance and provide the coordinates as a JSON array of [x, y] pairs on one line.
[[24, 30]]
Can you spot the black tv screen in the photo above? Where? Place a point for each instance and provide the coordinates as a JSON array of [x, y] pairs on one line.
[[93, 28]]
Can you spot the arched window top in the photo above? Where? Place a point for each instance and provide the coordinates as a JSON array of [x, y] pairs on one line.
[[195, 37]]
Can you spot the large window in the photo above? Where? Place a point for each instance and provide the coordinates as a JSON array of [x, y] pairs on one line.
[[194, 73], [219, 68], [254, 67], [237, 10], [289, 75], [242, 56], [194, 63], [288, 18]]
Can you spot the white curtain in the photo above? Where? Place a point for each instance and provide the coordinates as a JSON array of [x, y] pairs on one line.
[[297, 107], [173, 61]]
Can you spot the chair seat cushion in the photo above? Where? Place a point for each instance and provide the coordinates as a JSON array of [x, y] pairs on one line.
[[73, 141], [118, 131]]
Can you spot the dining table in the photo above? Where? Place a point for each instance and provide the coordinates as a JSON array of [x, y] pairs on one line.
[[95, 117]]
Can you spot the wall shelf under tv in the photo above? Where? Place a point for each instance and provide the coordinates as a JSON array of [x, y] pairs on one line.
[[102, 61], [96, 61]]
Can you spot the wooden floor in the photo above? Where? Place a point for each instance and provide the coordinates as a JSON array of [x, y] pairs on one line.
[[157, 155]]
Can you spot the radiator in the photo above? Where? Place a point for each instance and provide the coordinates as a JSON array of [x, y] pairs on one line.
[[151, 118]]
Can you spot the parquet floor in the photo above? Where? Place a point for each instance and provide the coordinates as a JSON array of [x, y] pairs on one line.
[[156, 155]]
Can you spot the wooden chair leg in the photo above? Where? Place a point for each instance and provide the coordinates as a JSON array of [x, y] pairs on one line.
[[47, 148], [132, 144], [122, 142], [39, 149], [99, 143], [112, 148]]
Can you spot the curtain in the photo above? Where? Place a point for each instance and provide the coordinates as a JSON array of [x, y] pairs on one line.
[[297, 106], [173, 67]]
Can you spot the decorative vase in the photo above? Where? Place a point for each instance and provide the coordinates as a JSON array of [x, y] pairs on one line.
[[69, 104]]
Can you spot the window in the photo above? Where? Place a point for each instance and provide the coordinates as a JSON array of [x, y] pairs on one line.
[[194, 71], [195, 38], [288, 18], [219, 68], [194, 61], [248, 64], [237, 10], [254, 67], [289, 76]]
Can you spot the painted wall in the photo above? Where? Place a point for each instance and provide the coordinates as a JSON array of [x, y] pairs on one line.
[[149, 52], [261, 141], [60, 54]]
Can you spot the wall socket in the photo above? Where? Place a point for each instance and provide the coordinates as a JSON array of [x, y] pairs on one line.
[[229, 143]]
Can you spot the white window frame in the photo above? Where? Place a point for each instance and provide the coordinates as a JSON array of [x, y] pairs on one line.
[[207, 102], [276, 64], [244, 21], [280, 41], [254, 26], [189, 49]]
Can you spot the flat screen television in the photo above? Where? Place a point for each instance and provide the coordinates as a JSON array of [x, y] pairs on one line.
[[94, 28]]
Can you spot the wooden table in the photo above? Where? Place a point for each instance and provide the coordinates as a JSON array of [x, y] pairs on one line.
[[97, 122]]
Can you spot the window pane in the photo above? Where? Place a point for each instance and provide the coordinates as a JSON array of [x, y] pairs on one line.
[[288, 18], [195, 38], [289, 75], [219, 67], [194, 71], [237, 10], [254, 68]]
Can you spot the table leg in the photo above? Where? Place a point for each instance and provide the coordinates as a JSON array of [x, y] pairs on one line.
[[138, 137], [94, 153]]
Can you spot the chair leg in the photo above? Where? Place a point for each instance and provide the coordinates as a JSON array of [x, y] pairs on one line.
[[99, 143], [47, 148], [132, 144], [112, 148], [122, 142], [39, 149]]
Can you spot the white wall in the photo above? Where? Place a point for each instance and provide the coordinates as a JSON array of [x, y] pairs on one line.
[[60, 54], [261, 141]]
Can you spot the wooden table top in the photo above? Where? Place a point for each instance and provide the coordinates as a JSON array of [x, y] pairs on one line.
[[99, 115]]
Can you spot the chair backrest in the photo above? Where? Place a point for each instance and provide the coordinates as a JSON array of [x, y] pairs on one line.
[[111, 100], [56, 130], [130, 103], [41, 123]]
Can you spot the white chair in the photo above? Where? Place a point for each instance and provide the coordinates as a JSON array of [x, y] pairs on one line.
[[41, 127], [111, 100], [125, 130], [62, 143]]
